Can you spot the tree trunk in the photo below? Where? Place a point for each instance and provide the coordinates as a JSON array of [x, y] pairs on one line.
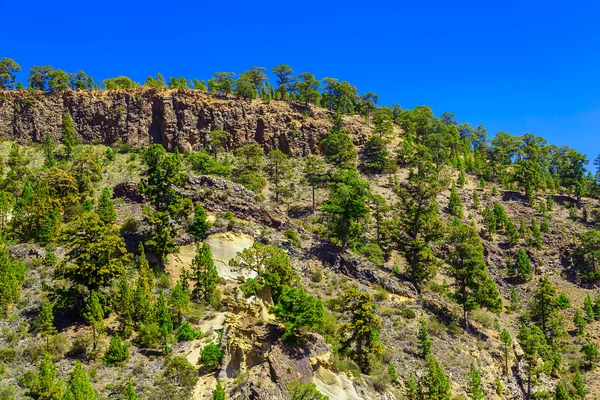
[[313, 199]]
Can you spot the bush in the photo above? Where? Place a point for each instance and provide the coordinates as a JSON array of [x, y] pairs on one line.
[[210, 357], [204, 164], [345, 365], [148, 336], [373, 253], [292, 236], [179, 371], [187, 333], [117, 353], [317, 276]]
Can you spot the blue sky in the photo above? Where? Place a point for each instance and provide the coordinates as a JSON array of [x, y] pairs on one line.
[[514, 66]]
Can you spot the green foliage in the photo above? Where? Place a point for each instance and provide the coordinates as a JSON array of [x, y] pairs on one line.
[[474, 385], [249, 166], [515, 301], [44, 321], [204, 273], [339, 149], [186, 333], [521, 267], [96, 250], [272, 266], [474, 288], [307, 391], [562, 301], [588, 308], [94, 315], [8, 69], [580, 322], [179, 300], [425, 343], [346, 206], [315, 174], [590, 354], [544, 311], [507, 342], [436, 384], [121, 82], [512, 235], [533, 343], [180, 372], [148, 335], [204, 164], [219, 392], [536, 239], [359, 330], [561, 392], [12, 275], [586, 258], [49, 159], [455, 205], [307, 88], [210, 357], [489, 221], [124, 305], [376, 156], [117, 352], [79, 386], [279, 173], [106, 209], [579, 389], [45, 384], [163, 319], [292, 236], [296, 310], [129, 392], [200, 224]]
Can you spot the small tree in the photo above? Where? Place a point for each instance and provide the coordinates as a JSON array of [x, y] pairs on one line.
[[588, 308], [45, 320], [436, 384], [45, 384], [521, 267], [179, 301], [537, 235], [278, 170], [68, 135], [580, 322], [315, 174], [106, 209], [79, 386], [117, 352], [297, 310], [307, 391], [424, 341], [130, 393], [219, 392], [165, 324], [515, 301], [455, 205], [507, 341], [579, 390], [210, 357], [200, 224], [475, 386], [532, 342], [590, 354], [94, 314], [561, 392], [204, 272]]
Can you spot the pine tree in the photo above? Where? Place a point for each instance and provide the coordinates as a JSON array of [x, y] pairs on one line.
[[436, 385], [544, 311], [460, 182], [79, 386], [279, 172], [117, 352], [521, 267], [413, 389], [545, 227], [425, 344], [46, 384], [142, 297], [590, 354], [68, 134], [165, 324], [489, 221], [579, 389], [125, 307], [49, 159], [511, 232], [475, 386], [204, 273], [515, 301], [476, 201], [588, 308], [561, 392], [106, 209], [522, 229], [501, 217], [537, 235], [94, 315], [12, 275], [455, 204], [315, 174], [219, 392], [474, 288], [580, 322], [507, 341], [45, 320], [200, 224], [179, 301], [532, 342], [130, 393]]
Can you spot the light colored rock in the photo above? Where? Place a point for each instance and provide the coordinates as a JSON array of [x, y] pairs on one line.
[[225, 246], [336, 386]]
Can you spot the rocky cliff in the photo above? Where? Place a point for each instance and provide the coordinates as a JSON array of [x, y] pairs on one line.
[[175, 118]]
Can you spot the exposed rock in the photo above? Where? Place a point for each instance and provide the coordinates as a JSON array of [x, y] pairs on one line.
[[129, 191], [174, 118]]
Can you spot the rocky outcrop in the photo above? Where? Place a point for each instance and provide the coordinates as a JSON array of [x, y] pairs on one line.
[[175, 118]]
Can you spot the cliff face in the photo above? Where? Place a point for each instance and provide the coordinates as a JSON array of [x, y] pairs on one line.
[[175, 118]]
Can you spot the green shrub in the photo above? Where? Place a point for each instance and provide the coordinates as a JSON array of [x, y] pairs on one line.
[[373, 253], [292, 236], [210, 357], [117, 352], [187, 333]]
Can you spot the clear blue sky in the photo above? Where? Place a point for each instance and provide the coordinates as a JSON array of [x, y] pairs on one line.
[[514, 66]]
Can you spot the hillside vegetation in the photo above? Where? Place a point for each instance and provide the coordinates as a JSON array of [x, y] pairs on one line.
[[231, 239]]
